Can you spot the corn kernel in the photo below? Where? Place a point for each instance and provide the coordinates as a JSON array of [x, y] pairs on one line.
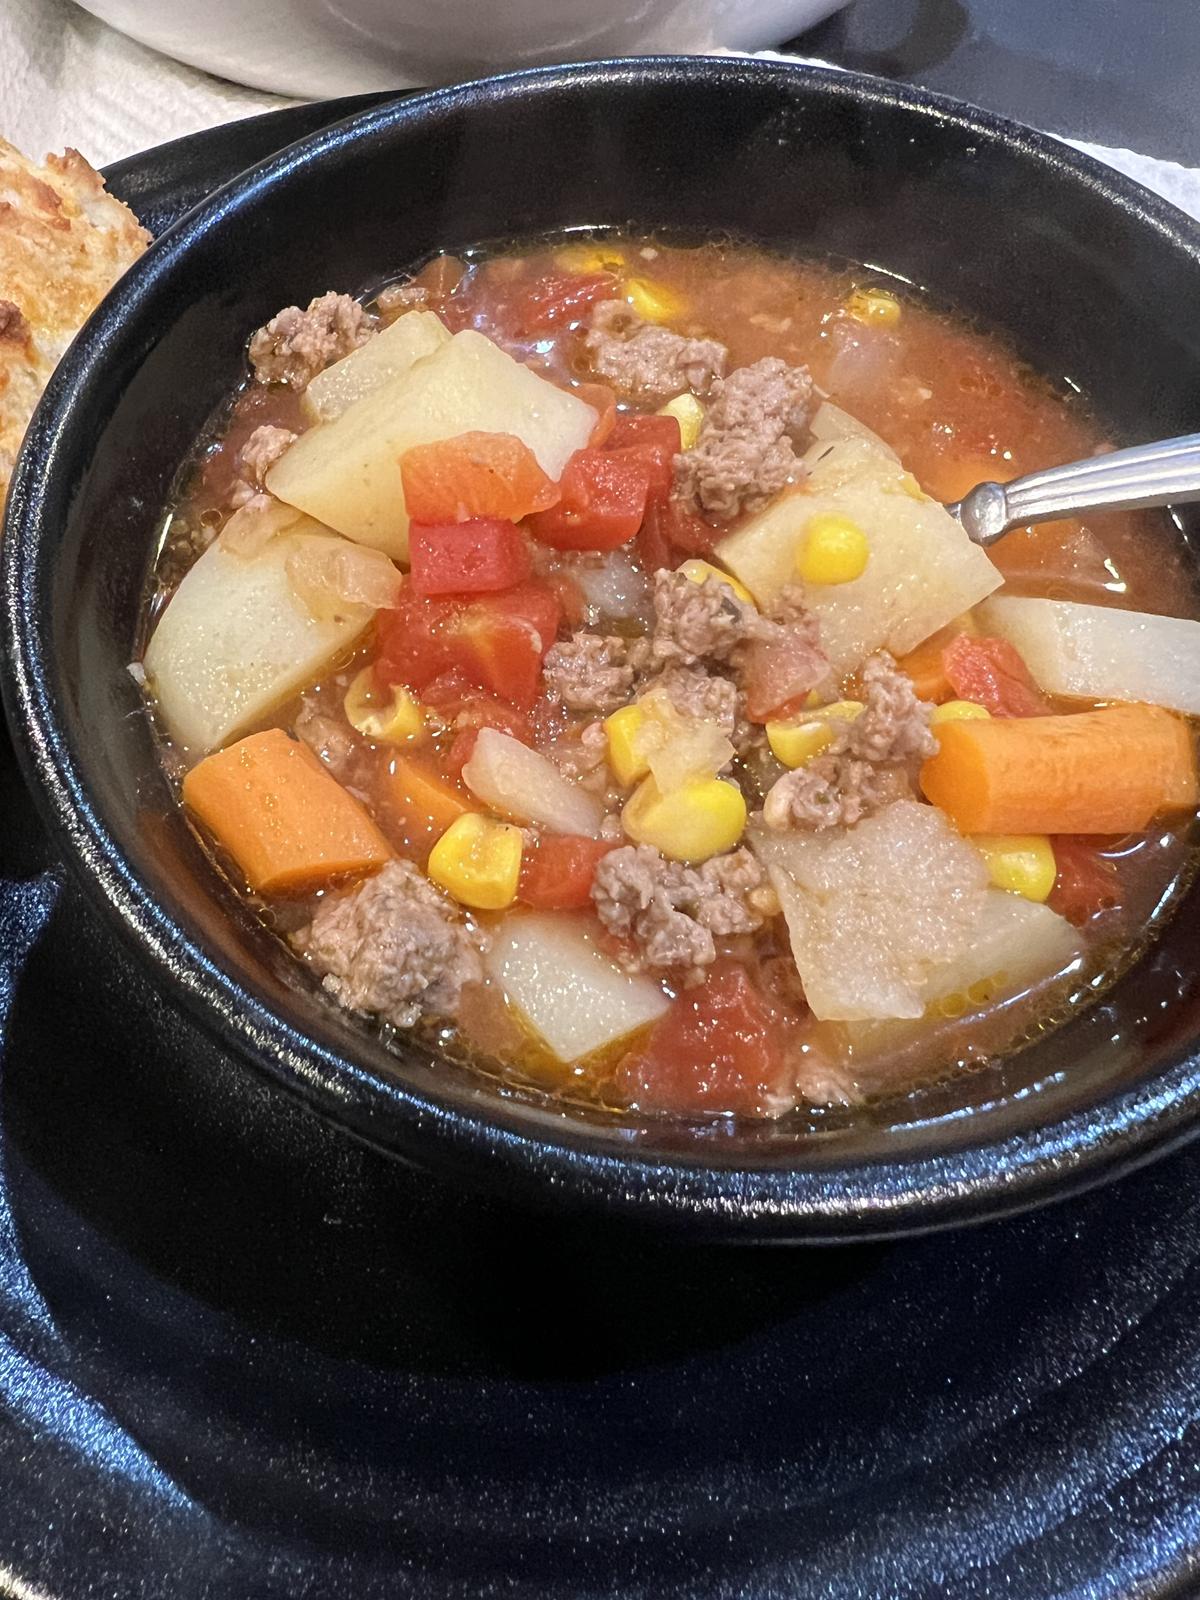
[[833, 550], [698, 820], [958, 711], [1022, 863], [700, 571], [878, 306], [389, 719], [478, 862], [796, 741], [653, 302], [689, 414], [626, 753], [595, 257]]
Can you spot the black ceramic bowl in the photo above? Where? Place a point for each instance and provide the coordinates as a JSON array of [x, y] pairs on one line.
[[1093, 279]]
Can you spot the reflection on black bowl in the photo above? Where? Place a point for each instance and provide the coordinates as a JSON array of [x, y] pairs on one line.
[[1086, 274]]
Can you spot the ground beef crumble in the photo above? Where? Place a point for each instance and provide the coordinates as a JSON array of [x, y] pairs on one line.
[[256, 458], [865, 766], [673, 913], [647, 362], [699, 621], [393, 946], [746, 450], [295, 345], [592, 671]]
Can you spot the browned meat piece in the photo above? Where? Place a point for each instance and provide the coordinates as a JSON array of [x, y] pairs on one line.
[[745, 453], [833, 791], [696, 621], [672, 912], [696, 693], [393, 946], [295, 345], [894, 726], [647, 362], [257, 456], [591, 671], [864, 767], [398, 298]]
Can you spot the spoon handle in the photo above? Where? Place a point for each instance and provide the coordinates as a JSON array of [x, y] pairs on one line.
[[1160, 474]]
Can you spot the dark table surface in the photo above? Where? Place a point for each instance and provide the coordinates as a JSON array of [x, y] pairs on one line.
[[1114, 72]]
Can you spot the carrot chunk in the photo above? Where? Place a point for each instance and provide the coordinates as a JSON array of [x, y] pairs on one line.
[[421, 802], [284, 819], [1106, 771]]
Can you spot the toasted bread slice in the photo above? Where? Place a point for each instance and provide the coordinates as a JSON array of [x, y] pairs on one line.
[[64, 241]]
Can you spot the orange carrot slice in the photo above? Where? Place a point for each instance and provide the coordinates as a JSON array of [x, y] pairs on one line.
[[474, 475], [420, 802], [285, 820], [1106, 771]]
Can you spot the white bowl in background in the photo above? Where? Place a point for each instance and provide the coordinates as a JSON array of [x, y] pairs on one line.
[[317, 48]]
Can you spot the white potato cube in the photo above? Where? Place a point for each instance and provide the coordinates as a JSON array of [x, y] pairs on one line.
[[1100, 653], [235, 640], [347, 472], [922, 571], [388, 355], [570, 993], [875, 910]]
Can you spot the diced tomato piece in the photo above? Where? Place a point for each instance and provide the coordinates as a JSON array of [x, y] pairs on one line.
[[496, 641], [654, 440], [476, 557], [474, 475], [604, 495], [559, 300], [1087, 880], [671, 530], [777, 674], [556, 875], [717, 1049], [992, 673]]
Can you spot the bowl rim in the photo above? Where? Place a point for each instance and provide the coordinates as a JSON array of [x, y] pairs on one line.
[[822, 1202]]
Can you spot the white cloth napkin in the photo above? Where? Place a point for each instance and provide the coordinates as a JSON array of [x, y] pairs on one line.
[[68, 79]]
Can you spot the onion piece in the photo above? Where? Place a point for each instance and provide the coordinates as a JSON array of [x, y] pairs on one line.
[[252, 526], [329, 577], [520, 783], [614, 588], [571, 994]]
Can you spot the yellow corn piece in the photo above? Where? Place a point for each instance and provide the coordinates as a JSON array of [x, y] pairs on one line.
[[958, 711], [594, 257], [874, 305], [833, 549], [653, 302], [388, 719], [478, 862], [1022, 863], [700, 819], [700, 571], [796, 741], [626, 754], [689, 414]]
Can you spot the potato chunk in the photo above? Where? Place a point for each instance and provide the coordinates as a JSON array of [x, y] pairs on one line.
[[1102, 653], [922, 569], [388, 355], [236, 639], [874, 911], [346, 472]]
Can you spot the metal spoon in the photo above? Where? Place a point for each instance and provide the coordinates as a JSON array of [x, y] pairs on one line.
[[1159, 474]]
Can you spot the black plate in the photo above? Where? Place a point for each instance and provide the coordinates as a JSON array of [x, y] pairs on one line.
[[243, 1357]]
